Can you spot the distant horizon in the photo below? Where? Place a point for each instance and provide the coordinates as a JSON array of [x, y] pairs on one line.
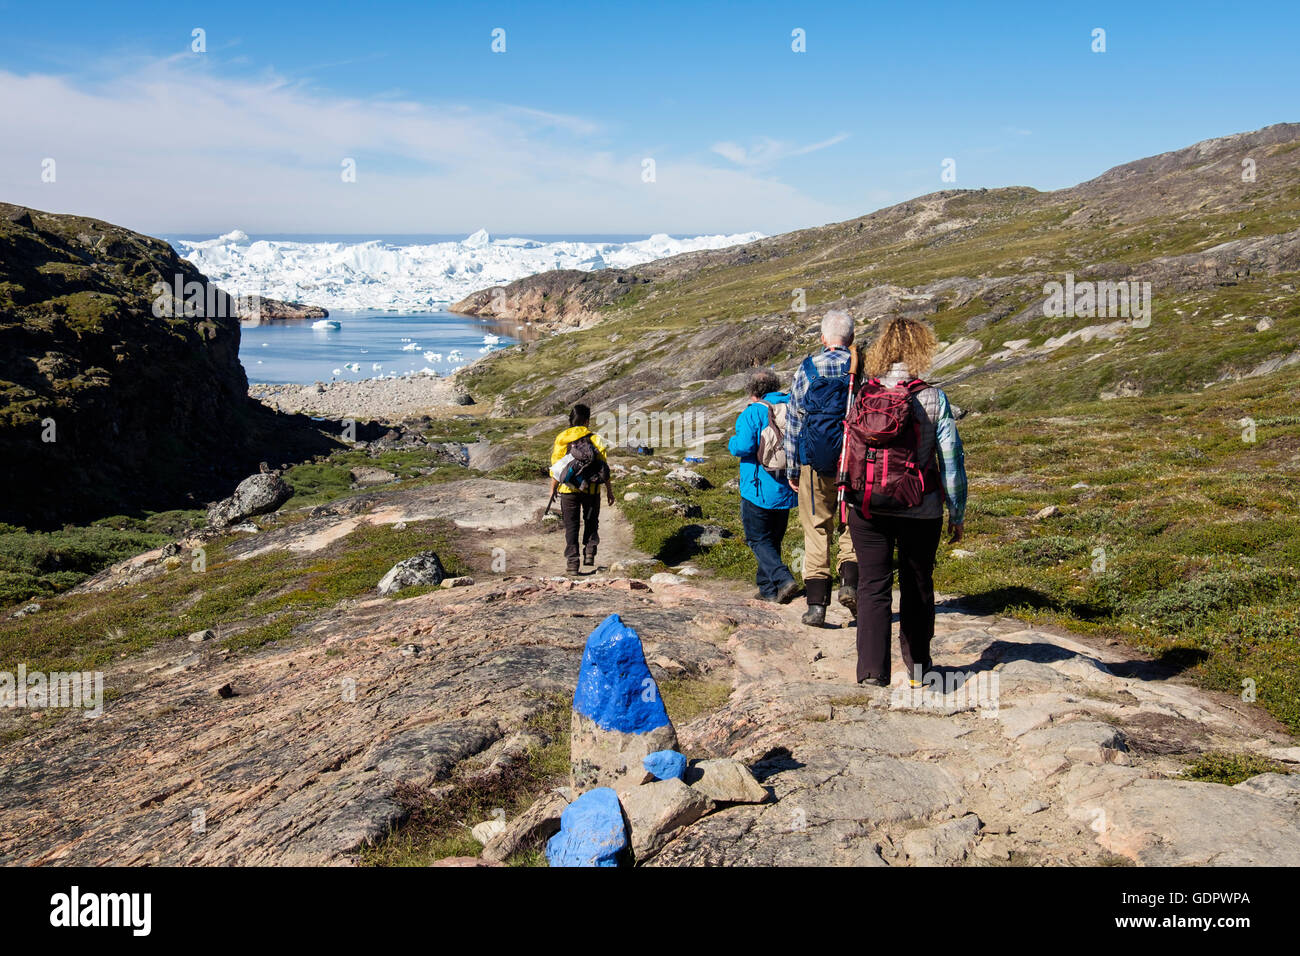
[[198, 236]]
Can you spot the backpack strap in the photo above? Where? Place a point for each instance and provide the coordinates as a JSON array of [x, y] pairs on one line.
[[771, 417]]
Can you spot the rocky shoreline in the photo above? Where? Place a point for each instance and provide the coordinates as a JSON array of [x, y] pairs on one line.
[[379, 399]]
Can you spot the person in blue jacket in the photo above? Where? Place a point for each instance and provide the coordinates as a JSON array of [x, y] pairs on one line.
[[765, 499]]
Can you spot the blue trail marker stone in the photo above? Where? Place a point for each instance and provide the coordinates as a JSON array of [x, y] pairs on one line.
[[592, 832], [618, 713], [665, 764]]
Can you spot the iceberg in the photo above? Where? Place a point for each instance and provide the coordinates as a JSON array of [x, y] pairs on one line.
[[374, 274]]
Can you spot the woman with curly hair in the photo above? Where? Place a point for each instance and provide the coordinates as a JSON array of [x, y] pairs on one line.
[[902, 353]]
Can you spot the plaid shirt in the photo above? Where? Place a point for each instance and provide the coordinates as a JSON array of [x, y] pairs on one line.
[[830, 363]]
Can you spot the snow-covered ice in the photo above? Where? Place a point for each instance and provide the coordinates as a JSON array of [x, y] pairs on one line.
[[415, 278]]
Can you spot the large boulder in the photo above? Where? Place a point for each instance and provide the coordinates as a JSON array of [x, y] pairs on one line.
[[422, 568], [256, 495], [690, 478], [618, 714], [592, 832]]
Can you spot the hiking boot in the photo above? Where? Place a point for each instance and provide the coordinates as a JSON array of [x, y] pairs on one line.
[[760, 596], [789, 591], [815, 616], [849, 587], [572, 567], [874, 682], [589, 559]]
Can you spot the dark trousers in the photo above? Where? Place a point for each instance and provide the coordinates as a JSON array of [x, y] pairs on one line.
[[764, 531], [874, 541], [585, 508]]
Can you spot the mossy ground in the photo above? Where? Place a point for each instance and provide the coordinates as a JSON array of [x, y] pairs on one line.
[[249, 602], [1231, 769]]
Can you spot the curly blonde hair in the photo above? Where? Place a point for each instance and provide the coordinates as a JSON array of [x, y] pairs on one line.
[[901, 340]]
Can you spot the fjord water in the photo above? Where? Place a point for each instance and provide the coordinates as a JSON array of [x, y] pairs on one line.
[[293, 351]]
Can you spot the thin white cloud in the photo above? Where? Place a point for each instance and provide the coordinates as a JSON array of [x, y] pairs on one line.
[[173, 146], [767, 151]]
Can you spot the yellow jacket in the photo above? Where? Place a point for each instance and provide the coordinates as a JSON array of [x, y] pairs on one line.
[[572, 434]]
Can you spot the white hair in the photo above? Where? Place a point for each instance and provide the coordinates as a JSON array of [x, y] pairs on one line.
[[837, 327]]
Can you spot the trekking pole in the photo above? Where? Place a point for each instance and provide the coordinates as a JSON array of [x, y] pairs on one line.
[[842, 478]]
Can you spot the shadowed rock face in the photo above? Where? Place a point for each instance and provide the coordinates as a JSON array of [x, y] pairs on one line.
[[146, 410]]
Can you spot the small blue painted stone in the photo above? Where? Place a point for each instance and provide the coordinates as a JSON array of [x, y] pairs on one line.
[[665, 764], [592, 832]]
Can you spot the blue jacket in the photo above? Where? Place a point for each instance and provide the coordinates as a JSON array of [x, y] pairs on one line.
[[756, 483]]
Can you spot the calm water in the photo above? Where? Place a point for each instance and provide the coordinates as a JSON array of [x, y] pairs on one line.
[[295, 352]]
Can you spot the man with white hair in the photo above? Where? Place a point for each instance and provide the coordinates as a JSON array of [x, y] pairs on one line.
[[814, 434]]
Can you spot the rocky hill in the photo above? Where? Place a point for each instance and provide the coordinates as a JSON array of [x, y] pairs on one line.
[[121, 382], [1210, 235]]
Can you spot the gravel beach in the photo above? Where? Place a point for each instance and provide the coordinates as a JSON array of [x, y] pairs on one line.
[[387, 399]]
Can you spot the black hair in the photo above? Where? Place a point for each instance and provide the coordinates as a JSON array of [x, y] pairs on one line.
[[580, 415]]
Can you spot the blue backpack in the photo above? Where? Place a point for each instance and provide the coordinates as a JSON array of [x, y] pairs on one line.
[[824, 405]]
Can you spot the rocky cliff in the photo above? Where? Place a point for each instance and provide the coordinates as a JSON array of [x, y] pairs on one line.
[[120, 381], [564, 298]]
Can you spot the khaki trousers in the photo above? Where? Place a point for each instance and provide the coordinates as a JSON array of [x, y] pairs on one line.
[[818, 517]]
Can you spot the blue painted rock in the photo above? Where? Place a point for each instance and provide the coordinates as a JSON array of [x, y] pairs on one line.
[[665, 765], [618, 715], [592, 832]]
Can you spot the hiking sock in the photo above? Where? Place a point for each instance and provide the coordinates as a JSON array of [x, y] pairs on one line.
[[819, 591]]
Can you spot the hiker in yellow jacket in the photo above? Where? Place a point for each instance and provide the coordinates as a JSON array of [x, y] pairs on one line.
[[578, 469]]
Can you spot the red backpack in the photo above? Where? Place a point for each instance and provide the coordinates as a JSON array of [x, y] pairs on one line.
[[883, 438]]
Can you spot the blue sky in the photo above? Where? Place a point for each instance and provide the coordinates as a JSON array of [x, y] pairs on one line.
[[551, 135]]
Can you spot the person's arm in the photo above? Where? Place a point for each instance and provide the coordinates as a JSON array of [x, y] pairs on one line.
[[744, 444], [952, 468], [794, 425], [603, 450]]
